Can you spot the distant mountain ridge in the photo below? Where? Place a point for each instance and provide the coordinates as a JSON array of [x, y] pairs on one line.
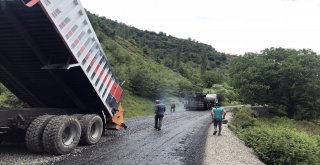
[[160, 45]]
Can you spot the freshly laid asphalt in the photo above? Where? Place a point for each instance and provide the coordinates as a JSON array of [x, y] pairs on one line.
[[186, 138], [181, 141]]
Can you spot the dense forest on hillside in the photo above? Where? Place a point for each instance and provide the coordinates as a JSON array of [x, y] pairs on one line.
[[166, 49], [155, 64], [286, 79]]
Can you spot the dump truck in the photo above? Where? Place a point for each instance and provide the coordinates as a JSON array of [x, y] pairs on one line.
[[199, 101], [52, 60]]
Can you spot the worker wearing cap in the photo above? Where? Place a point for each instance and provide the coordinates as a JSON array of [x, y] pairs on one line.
[[159, 111]]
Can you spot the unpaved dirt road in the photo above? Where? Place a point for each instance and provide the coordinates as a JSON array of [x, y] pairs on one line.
[[228, 149], [181, 141]]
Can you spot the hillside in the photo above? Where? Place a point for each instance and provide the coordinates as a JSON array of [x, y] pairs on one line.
[[153, 65], [188, 59]]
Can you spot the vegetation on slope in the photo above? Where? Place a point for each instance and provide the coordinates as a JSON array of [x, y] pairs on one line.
[[279, 140], [287, 79], [188, 58]]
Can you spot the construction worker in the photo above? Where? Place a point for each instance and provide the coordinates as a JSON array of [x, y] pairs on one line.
[[159, 113], [172, 106], [217, 114]]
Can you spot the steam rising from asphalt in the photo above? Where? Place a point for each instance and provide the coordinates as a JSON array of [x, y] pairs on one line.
[[178, 101]]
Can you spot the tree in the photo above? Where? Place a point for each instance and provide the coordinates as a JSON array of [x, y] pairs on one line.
[[144, 83], [204, 63], [210, 78], [280, 77], [178, 58]]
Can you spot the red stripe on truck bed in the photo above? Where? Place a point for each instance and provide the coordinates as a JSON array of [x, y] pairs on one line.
[[31, 3], [109, 82], [82, 49], [87, 56], [70, 33], [97, 68], [105, 78], [103, 81], [101, 73], [92, 62], [113, 88], [118, 93]]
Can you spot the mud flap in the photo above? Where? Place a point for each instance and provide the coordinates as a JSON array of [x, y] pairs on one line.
[[118, 119]]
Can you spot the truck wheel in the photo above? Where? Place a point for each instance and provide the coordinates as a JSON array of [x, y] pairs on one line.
[[61, 135], [33, 138], [77, 116], [92, 128]]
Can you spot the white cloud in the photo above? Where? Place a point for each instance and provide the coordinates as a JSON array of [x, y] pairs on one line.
[[230, 26]]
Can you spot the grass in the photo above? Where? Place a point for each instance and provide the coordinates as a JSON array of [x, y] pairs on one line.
[[309, 127], [231, 103], [136, 106]]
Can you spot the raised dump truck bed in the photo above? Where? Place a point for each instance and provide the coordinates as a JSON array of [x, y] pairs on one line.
[[50, 58]]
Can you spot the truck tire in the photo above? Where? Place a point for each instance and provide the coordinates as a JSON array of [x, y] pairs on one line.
[[92, 128], [61, 135], [77, 116], [33, 138]]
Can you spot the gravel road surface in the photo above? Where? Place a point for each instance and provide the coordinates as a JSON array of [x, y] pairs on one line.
[[228, 149]]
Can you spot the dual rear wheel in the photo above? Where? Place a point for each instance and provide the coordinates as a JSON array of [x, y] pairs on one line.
[[61, 134], [92, 128]]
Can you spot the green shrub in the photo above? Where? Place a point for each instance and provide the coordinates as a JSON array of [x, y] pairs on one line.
[[310, 127], [243, 118], [316, 121], [282, 145], [282, 122]]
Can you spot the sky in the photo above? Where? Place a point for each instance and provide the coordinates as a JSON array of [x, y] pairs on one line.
[[229, 26]]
